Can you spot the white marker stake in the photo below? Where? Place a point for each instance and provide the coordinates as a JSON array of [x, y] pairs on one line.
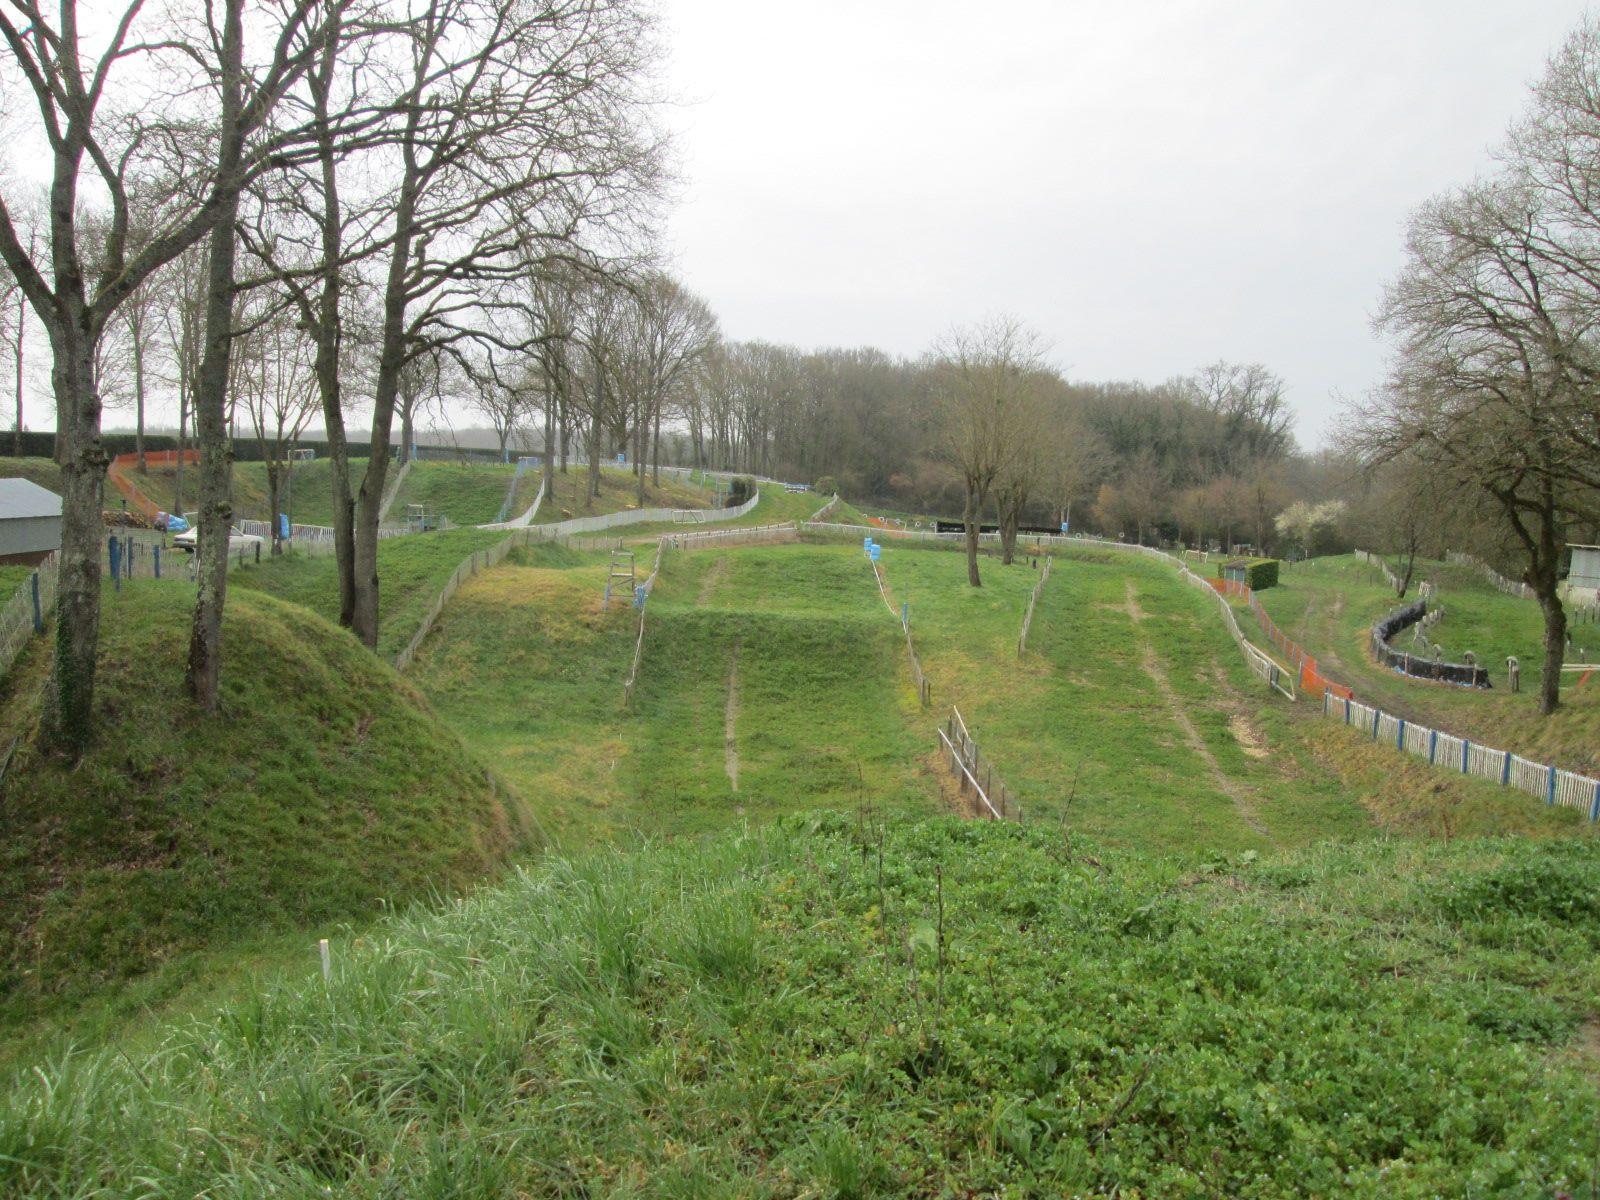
[[327, 959]]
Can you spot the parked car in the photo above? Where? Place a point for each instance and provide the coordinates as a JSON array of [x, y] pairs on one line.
[[238, 543]]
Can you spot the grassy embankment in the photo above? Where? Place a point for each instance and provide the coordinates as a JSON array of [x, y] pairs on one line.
[[412, 571], [309, 503], [1133, 717], [529, 668], [930, 1008], [467, 494], [619, 491], [322, 791], [1330, 604]]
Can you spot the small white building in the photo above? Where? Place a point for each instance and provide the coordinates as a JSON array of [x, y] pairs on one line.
[[1583, 577], [30, 521]]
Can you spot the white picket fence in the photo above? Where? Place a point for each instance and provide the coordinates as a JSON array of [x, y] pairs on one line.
[[827, 508], [1565, 789], [1375, 560], [786, 531], [642, 516], [526, 518], [1509, 587], [1033, 598]]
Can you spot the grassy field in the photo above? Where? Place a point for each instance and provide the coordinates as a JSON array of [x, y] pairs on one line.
[[815, 721], [1329, 606], [939, 1008], [412, 571], [321, 791], [1230, 950]]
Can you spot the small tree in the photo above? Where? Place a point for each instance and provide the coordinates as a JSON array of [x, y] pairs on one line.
[[988, 386]]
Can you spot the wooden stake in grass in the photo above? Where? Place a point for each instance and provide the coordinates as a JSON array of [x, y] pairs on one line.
[[327, 959]]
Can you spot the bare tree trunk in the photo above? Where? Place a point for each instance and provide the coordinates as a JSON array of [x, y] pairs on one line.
[[547, 479], [408, 433], [183, 446], [22, 328], [83, 460], [1555, 647], [274, 503], [138, 396], [970, 514], [655, 450], [594, 453], [211, 396]]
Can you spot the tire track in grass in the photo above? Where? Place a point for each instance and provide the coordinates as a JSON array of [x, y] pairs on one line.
[[1243, 802]]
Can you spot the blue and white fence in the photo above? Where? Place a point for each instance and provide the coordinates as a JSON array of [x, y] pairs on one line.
[[1558, 788]]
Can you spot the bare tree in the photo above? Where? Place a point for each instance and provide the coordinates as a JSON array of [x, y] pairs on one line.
[[272, 377], [988, 381], [1491, 380], [97, 150]]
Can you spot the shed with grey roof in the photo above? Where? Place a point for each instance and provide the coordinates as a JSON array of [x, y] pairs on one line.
[[30, 521]]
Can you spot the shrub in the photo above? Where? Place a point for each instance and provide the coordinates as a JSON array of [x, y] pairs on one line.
[[826, 485], [740, 490]]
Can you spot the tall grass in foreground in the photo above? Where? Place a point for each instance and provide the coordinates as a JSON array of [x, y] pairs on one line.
[[831, 1007]]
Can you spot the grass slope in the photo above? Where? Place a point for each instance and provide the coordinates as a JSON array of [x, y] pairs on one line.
[[309, 503], [412, 571], [42, 471], [468, 494], [321, 790], [527, 666], [1133, 717], [1329, 606], [938, 1009], [569, 496]]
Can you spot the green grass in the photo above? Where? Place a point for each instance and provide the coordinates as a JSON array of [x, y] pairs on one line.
[[42, 471], [412, 571], [836, 1008], [818, 719], [321, 791], [1330, 604], [569, 496], [308, 500], [467, 494]]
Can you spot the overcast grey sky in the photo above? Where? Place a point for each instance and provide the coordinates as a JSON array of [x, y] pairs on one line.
[[1153, 183]]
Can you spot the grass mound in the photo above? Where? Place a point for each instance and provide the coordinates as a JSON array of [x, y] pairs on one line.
[[829, 1008], [619, 491], [412, 571], [323, 790]]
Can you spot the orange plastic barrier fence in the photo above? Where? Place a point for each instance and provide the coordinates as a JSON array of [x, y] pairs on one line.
[[137, 500], [1311, 679]]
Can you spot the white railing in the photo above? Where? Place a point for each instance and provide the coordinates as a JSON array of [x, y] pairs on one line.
[[1027, 620], [1510, 587], [641, 516], [1558, 788], [526, 518], [785, 531], [1377, 560]]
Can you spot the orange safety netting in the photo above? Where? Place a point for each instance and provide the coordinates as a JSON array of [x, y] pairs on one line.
[[1311, 679], [137, 500]]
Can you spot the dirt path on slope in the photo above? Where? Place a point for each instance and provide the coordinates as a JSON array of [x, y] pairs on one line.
[[730, 721], [1151, 662], [715, 574]]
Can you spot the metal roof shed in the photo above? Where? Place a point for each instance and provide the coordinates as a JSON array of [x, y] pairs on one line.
[[30, 521]]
